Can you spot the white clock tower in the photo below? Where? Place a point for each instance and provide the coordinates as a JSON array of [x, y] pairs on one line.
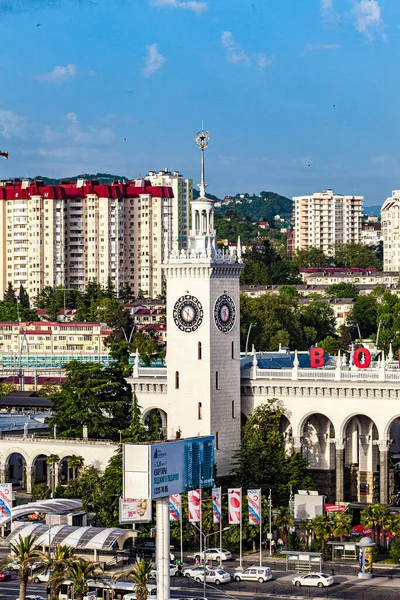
[[203, 324]]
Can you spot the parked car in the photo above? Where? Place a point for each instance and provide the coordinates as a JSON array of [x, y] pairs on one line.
[[259, 574], [213, 554], [315, 579], [32, 598], [193, 571], [5, 575], [215, 576], [42, 577], [14, 566], [174, 571]]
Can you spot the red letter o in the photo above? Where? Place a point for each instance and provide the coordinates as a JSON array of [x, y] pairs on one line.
[[357, 356]]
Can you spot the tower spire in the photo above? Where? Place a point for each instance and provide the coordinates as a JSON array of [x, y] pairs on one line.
[[202, 141]]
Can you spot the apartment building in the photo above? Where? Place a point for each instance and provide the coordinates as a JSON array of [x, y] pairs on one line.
[[390, 224], [70, 234], [183, 194], [325, 219]]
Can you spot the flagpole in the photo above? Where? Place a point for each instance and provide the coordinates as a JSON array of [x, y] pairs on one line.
[[181, 524], [260, 529], [241, 529], [201, 527], [220, 535]]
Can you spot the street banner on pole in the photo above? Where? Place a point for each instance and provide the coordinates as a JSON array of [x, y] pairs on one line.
[[175, 506], [194, 502], [5, 502], [235, 506], [216, 499], [254, 504]]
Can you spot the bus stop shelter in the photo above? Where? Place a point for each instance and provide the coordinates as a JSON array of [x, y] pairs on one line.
[[302, 561], [344, 550]]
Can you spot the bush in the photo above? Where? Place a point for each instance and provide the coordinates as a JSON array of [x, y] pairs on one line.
[[394, 551], [41, 491], [293, 541]]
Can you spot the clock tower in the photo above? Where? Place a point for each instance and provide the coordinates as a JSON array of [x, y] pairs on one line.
[[203, 325]]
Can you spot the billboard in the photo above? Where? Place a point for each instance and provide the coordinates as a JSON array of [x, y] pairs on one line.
[[167, 468], [133, 510], [308, 505], [5, 502]]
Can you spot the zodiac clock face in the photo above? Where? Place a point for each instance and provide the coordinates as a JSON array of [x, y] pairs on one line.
[[224, 313], [188, 313]]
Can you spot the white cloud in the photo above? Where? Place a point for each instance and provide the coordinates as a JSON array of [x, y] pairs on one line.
[[328, 11], [154, 61], [235, 53], [59, 74], [316, 47], [11, 125], [74, 133], [368, 17], [193, 5]]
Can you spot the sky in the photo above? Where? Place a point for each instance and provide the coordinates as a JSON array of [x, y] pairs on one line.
[[298, 95]]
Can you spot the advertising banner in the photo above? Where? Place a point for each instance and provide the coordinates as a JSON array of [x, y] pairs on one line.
[[339, 508], [194, 505], [5, 502], [235, 506], [168, 468], [254, 504], [134, 510], [216, 500], [175, 507]]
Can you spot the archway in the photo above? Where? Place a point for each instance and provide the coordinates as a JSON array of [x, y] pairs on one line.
[[361, 459], [317, 436], [15, 470], [40, 470], [155, 419]]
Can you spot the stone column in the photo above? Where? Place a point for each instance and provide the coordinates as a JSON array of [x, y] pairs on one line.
[[29, 478], [297, 444], [384, 446], [339, 459], [3, 474]]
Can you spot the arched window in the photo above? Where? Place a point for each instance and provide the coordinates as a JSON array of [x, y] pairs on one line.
[[199, 411], [216, 440], [199, 351], [233, 409], [177, 380], [233, 350], [216, 380]]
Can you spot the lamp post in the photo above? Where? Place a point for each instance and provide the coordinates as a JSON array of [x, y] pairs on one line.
[[205, 536], [248, 335]]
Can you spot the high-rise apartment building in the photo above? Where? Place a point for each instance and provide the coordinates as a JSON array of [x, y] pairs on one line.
[[70, 234], [183, 195], [390, 228], [325, 219]]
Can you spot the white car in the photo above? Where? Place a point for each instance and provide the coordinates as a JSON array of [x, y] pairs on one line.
[[193, 571], [174, 571], [213, 554], [315, 579], [259, 574], [216, 576], [41, 577], [32, 598], [14, 566]]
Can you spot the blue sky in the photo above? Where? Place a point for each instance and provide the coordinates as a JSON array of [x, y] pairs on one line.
[[298, 95]]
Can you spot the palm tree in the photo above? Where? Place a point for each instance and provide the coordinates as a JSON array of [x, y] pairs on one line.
[[341, 525], [283, 519], [56, 566], [52, 461], [374, 517], [75, 462], [25, 552], [139, 574], [322, 527], [78, 571]]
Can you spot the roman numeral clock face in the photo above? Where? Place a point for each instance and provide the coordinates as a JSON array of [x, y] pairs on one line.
[[224, 313], [188, 313]]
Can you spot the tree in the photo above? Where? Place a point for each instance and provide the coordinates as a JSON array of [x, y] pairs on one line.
[[354, 255], [265, 266], [373, 517], [56, 566], [91, 395], [364, 315], [320, 316], [121, 352], [148, 348], [154, 424], [6, 388], [105, 499], [52, 462], [311, 258], [289, 291], [47, 390], [75, 462], [41, 491], [330, 344], [126, 292], [79, 571], [88, 484], [25, 552], [341, 290], [139, 575], [110, 288], [136, 432], [13, 312], [341, 525], [9, 295], [113, 312], [388, 312], [262, 461], [322, 528], [23, 297], [283, 519]]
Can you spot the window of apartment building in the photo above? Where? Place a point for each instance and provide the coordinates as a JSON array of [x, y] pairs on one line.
[[216, 440], [216, 380], [199, 352], [199, 411], [233, 409]]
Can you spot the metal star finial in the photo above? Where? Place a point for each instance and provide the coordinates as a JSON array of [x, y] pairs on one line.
[[202, 139]]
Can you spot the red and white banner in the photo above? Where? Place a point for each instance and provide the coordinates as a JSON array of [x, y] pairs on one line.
[[254, 504], [235, 506], [336, 508], [194, 505]]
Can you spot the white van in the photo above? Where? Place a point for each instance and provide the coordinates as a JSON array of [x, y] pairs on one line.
[[259, 574]]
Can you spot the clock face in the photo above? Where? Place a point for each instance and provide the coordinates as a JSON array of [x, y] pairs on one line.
[[225, 313], [188, 313]]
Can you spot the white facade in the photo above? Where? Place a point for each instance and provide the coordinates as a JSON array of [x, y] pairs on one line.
[[390, 223], [322, 220], [180, 205]]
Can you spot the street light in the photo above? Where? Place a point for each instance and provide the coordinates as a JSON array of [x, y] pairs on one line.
[[205, 536], [248, 335]]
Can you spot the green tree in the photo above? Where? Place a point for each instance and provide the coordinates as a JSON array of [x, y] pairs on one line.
[[341, 290], [320, 316], [52, 462], [154, 426], [121, 352], [330, 344], [110, 288], [388, 312], [374, 517], [364, 315], [75, 462], [9, 295], [262, 461], [139, 575], [136, 432], [56, 566], [24, 552], [322, 527], [79, 572], [41, 491], [105, 500], [23, 297], [47, 390], [289, 291], [6, 388], [113, 312], [311, 258], [91, 395], [265, 266], [354, 255], [88, 485], [13, 312], [148, 348], [341, 525], [283, 519], [126, 292]]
